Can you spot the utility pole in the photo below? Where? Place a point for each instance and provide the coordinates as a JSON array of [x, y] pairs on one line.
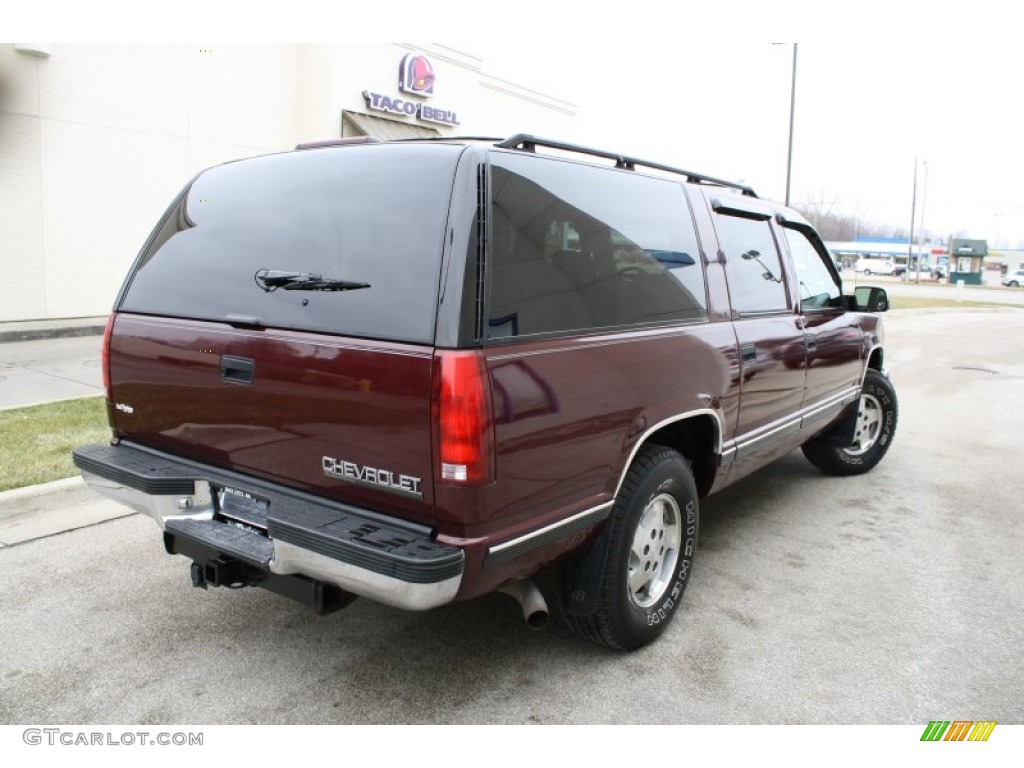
[[924, 203]]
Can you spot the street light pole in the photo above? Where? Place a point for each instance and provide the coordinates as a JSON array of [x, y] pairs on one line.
[[922, 235], [913, 216], [792, 110]]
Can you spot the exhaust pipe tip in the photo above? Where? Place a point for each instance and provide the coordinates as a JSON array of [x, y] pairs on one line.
[[535, 607]]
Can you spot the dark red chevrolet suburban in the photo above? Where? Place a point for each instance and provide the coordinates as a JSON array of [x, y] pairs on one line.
[[424, 371]]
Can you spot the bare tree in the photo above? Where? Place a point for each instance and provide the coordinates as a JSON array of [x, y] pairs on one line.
[[821, 211], [817, 207], [833, 224]]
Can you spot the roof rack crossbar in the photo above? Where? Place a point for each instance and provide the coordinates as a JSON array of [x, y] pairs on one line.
[[529, 143]]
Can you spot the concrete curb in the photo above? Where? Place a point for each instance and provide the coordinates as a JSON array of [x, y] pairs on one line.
[[34, 491], [54, 333], [52, 329], [38, 511]]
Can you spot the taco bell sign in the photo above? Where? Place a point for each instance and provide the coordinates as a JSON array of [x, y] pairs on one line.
[[415, 77]]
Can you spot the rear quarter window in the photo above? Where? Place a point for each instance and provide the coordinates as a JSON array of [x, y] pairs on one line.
[[752, 265], [373, 214], [576, 248]]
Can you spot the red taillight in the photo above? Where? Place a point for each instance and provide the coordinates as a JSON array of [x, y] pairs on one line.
[[462, 419], [105, 358]]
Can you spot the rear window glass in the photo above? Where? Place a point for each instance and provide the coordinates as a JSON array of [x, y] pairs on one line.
[[372, 215], [575, 247]]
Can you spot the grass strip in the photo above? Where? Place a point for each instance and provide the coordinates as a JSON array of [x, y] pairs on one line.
[[923, 302], [36, 442]]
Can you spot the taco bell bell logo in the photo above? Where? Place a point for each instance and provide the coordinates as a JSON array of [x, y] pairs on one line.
[[416, 75]]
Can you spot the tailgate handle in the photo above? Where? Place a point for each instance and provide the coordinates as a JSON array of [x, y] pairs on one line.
[[237, 369]]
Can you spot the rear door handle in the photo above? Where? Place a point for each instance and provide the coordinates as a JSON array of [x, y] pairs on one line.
[[238, 370], [748, 353]]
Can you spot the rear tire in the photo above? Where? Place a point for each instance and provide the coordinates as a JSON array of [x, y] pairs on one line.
[[876, 426], [651, 545]]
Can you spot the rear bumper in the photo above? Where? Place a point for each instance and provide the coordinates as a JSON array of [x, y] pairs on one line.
[[360, 551]]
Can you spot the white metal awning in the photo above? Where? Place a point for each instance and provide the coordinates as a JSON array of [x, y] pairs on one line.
[[358, 124]]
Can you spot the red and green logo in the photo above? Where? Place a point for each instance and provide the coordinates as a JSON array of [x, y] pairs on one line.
[[958, 730]]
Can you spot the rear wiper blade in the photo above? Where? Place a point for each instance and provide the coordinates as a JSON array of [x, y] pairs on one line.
[[272, 279]]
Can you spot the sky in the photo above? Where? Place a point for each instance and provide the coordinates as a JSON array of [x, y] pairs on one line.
[[882, 86], [863, 119]]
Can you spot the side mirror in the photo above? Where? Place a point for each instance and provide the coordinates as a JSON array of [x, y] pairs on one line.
[[867, 299]]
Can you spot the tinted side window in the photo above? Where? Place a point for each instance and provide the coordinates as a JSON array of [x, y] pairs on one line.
[[818, 287], [575, 247], [367, 214], [752, 265]]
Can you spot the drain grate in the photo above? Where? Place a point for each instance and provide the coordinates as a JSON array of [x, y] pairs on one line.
[[977, 368]]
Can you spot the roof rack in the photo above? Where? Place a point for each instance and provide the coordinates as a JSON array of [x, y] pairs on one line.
[[528, 143], [338, 142], [451, 138]]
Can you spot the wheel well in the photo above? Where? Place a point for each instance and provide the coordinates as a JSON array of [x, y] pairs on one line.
[[696, 438], [876, 359]]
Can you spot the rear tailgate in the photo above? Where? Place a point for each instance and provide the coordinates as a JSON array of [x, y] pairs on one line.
[[343, 418], [280, 323]]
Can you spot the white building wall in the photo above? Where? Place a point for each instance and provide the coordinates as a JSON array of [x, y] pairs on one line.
[[21, 194], [96, 140]]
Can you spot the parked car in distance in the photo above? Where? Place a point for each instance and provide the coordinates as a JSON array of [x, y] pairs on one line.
[[925, 271], [1013, 279], [868, 267]]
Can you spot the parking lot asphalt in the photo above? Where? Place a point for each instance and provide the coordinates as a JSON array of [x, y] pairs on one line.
[[893, 597]]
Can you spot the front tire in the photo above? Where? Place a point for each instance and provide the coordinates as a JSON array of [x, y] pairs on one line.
[[876, 425], [652, 540]]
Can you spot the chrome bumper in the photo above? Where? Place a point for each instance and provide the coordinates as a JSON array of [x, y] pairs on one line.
[[402, 584]]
